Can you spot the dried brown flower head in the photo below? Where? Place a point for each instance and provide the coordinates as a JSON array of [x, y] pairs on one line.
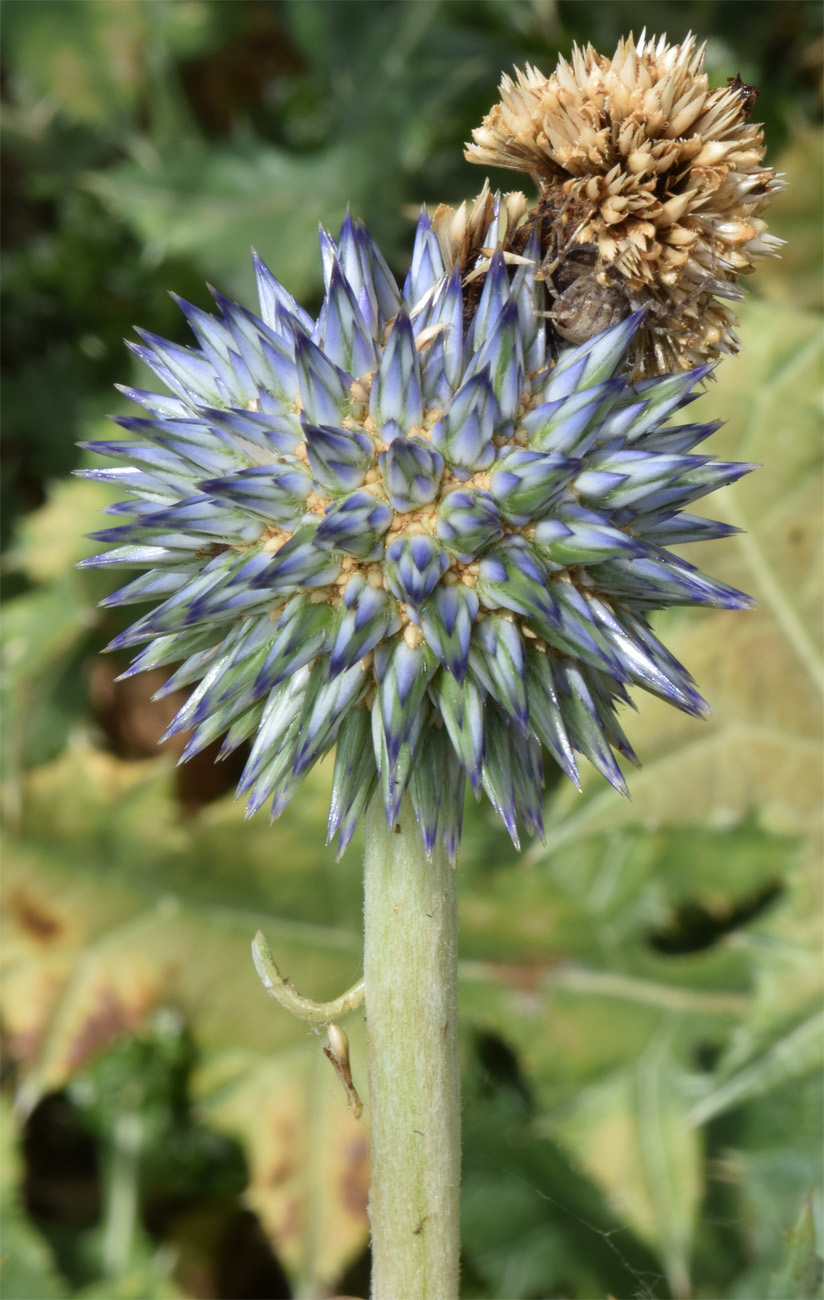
[[650, 188], [468, 236], [463, 232]]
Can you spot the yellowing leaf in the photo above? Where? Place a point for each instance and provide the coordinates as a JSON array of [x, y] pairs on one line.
[[761, 672], [51, 540], [308, 1158], [114, 906]]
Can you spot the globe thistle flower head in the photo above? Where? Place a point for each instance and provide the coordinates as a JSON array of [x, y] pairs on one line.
[[409, 535], [651, 185]]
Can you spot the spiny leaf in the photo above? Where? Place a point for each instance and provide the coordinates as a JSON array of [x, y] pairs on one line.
[[800, 1052], [802, 1270], [630, 1132]]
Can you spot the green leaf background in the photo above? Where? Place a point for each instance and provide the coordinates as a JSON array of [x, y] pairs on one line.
[[640, 998]]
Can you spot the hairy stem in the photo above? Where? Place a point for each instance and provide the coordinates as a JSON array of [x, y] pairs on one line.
[[410, 978], [284, 991]]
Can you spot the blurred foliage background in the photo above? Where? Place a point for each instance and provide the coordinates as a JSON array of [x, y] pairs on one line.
[[641, 999]]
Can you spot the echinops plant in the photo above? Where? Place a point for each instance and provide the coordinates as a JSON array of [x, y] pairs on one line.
[[427, 530]]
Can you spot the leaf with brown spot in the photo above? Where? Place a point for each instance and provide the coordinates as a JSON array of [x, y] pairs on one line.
[[308, 1156], [115, 906], [34, 917]]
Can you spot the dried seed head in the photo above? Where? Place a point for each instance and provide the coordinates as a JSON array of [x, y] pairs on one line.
[[651, 185], [464, 233]]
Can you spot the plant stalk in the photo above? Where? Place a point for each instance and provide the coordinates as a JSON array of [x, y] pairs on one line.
[[410, 979]]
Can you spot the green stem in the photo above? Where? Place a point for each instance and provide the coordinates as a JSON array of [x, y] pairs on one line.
[[284, 991], [410, 978], [121, 1210]]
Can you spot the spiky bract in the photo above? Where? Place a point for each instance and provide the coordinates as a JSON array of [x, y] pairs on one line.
[[651, 184], [428, 544]]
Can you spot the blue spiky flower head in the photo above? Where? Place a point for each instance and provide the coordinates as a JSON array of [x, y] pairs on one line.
[[406, 530]]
